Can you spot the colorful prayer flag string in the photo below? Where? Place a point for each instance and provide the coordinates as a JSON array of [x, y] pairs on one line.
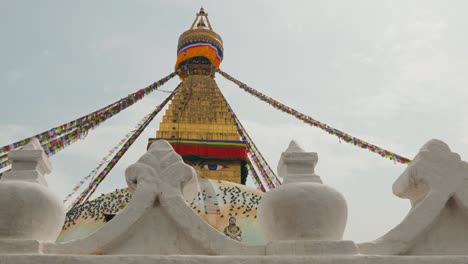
[[92, 119], [105, 160], [88, 192], [255, 177], [309, 120], [255, 155], [51, 146]]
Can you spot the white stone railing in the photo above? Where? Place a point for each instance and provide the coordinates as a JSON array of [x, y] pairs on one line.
[[303, 217]]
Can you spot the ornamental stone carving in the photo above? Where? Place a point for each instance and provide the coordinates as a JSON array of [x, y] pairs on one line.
[[29, 211], [436, 184], [303, 213]]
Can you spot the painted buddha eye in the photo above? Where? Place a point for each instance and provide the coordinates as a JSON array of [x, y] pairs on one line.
[[213, 167]]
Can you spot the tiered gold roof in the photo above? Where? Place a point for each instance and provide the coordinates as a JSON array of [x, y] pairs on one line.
[[198, 111]]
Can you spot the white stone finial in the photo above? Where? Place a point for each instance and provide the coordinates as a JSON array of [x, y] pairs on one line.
[[33, 144], [29, 163], [303, 215], [297, 165], [29, 212], [294, 147]]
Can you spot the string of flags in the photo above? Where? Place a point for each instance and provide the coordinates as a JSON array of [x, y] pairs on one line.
[[52, 146], [251, 156], [88, 192], [255, 155], [105, 160], [267, 175], [257, 180], [90, 120], [309, 120], [4, 162]]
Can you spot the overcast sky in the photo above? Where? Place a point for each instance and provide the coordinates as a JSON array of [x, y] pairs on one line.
[[390, 72]]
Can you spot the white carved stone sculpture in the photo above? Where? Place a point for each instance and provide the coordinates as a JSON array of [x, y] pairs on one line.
[[436, 183], [157, 220], [158, 226], [29, 212], [303, 216]]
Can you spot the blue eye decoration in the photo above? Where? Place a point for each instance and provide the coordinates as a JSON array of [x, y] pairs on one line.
[[213, 167]]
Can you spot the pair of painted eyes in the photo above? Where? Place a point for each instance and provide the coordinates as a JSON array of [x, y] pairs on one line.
[[213, 167]]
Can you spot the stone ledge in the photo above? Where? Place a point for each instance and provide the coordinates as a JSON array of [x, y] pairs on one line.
[[172, 259], [311, 247], [16, 246]]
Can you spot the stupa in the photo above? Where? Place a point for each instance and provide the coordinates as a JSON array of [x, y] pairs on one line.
[[198, 123], [200, 128], [187, 201]]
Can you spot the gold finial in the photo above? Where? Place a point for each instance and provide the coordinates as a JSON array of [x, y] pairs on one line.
[[200, 32], [201, 17], [202, 11], [201, 23]]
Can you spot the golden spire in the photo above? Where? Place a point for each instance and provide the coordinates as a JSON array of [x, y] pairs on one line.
[[201, 23], [199, 17], [198, 123], [200, 41], [199, 31]]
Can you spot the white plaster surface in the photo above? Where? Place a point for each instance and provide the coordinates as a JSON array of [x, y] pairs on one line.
[[302, 208], [28, 210], [296, 165], [303, 211], [311, 247], [20, 246], [196, 259], [303, 217], [307, 214], [436, 183], [30, 158]]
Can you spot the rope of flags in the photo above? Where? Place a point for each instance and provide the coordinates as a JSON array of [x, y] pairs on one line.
[[89, 120], [266, 174], [309, 120], [88, 192], [52, 146], [252, 156], [2, 160], [257, 180], [105, 160], [255, 155]]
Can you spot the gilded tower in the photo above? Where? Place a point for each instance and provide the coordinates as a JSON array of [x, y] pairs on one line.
[[198, 122]]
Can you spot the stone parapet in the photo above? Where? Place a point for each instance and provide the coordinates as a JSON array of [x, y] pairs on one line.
[[197, 259]]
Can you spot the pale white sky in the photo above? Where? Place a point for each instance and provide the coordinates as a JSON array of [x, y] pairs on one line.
[[389, 72]]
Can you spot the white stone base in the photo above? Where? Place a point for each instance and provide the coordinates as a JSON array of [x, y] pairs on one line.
[[192, 259], [15, 246], [311, 247]]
